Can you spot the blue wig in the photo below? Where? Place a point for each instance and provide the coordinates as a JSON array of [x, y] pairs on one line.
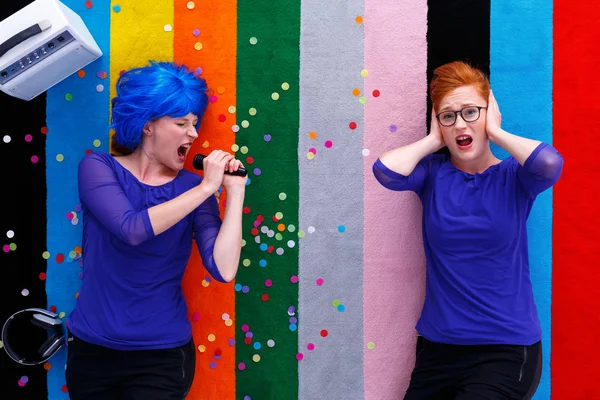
[[148, 93]]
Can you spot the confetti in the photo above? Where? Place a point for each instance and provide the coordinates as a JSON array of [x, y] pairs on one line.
[[190, 5], [168, 28], [253, 40]]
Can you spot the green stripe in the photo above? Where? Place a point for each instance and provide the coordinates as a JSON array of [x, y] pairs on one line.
[[262, 68]]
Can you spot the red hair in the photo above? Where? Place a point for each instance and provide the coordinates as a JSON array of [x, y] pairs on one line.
[[453, 75]]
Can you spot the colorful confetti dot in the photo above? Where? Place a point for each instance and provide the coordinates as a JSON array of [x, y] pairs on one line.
[[341, 228], [117, 8], [168, 28], [34, 159], [88, 4], [275, 96], [310, 346], [241, 366], [6, 139], [352, 125], [358, 19], [393, 128], [299, 356], [356, 92], [196, 32], [28, 138], [190, 5], [198, 46], [99, 88], [324, 333], [252, 111], [253, 40], [328, 144], [364, 73], [285, 86], [376, 93], [60, 158], [68, 97], [366, 152], [370, 345], [320, 282]]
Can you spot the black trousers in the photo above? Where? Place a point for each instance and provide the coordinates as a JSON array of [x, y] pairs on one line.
[[99, 373], [490, 372]]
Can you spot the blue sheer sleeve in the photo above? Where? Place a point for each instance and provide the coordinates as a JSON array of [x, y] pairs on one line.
[[102, 194], [395, 181], [541, 170], [207, 223]]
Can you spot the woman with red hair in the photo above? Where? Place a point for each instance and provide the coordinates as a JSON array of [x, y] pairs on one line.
[[479, 333]]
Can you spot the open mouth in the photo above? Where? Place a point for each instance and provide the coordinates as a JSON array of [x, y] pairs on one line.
[[183, 150], [464, 141]]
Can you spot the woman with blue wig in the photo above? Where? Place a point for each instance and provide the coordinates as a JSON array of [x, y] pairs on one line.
[[130, 335]]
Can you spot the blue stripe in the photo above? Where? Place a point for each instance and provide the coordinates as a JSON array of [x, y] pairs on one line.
[[521, 78], [73, 126]]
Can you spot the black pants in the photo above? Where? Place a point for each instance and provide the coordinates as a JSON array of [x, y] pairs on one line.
[[481, 372], [98, 373]]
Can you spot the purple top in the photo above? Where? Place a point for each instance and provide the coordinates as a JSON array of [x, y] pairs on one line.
[[478, 289], [131, 296]]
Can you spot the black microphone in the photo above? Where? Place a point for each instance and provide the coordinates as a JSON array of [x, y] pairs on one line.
[[197, 163]]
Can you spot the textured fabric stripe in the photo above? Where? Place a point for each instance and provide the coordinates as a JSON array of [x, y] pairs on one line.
[[331, 200], [209, 300], [576, 250], [521, 78], [267, 62], [394, 263], [77, 117]]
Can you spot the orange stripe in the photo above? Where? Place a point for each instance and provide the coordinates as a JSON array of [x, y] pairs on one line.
[[217, 23]]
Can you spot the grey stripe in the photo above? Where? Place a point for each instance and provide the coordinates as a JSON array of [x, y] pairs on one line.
[[331, 195]]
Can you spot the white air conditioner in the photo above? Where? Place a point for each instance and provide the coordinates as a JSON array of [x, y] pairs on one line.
[[41, 45]]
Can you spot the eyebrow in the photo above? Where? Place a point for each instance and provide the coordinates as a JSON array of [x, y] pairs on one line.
[[463, 105], [187, 119]]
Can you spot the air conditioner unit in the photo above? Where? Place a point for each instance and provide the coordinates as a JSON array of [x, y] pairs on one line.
[[41, 45]]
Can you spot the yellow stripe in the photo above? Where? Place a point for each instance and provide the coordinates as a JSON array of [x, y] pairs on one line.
[[138, 35]]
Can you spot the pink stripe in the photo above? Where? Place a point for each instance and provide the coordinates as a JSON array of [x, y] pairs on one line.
[[394, 262]]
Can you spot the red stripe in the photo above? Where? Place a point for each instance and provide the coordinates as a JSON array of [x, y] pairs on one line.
[[576, 236]]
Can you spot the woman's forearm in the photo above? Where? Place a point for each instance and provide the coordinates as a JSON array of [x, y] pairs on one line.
[[518, 147], [403, 160], [163, 216], [228, 245]]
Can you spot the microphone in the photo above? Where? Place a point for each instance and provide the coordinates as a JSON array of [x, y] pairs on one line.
[[197, 163]]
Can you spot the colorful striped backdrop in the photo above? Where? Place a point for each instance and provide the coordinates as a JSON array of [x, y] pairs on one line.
[[308, 94]]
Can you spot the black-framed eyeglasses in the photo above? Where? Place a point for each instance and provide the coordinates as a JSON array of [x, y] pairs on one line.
[[468, 114]]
